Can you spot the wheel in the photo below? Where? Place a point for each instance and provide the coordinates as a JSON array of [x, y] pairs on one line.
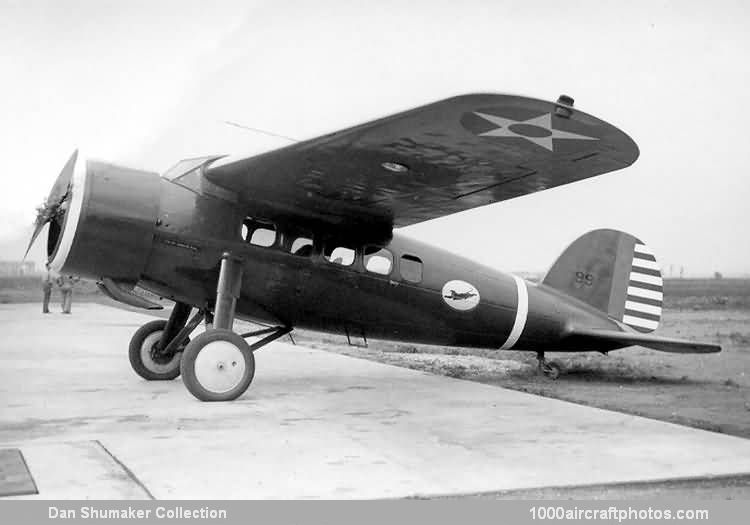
[[144, 359], [218, 365], [552, 370]]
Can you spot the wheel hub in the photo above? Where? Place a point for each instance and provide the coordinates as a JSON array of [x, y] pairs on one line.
[[157, 356], [153, 359], [219, 366]]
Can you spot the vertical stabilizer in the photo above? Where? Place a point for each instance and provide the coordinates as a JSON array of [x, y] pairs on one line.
[[613, 272]]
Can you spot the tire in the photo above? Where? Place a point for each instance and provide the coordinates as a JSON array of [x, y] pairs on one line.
[[141, 358], [218, 365]]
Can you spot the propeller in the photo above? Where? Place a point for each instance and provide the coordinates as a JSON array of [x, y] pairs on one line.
[[54, 206]]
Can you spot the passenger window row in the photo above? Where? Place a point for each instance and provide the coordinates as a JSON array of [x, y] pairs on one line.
[[375, 260]]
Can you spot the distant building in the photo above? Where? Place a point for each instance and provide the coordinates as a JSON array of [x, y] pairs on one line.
[[17, 268]]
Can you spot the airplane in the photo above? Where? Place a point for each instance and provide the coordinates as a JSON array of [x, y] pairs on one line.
[[306, 236], [455, 296]]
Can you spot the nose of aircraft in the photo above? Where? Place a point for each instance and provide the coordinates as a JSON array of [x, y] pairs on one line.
[[101, 219]]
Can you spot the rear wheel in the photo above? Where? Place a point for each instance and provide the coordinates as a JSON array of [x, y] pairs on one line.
[[145, 357], [218, 365], [552, 370]]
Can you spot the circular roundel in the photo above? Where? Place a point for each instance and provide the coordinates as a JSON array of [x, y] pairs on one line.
[[460, 295]]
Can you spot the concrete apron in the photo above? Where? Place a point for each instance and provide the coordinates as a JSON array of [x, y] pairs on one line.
[[312, 425]]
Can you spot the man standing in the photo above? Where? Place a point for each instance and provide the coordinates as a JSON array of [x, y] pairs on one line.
[[47, 282], [66, 283]]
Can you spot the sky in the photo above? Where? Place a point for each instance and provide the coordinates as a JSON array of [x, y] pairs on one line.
[[148, 83]]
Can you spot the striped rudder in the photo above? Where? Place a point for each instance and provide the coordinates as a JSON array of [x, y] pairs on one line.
[[613, 272], [645, 292]]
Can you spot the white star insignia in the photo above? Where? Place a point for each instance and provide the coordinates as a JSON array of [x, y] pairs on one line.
[[541, 136]]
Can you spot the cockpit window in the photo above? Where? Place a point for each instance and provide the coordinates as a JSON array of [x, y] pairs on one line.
[[339, 255], [259, 233], [185, 166], [378, 260], [411, 268]]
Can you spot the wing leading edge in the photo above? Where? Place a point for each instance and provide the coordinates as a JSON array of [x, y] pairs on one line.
[[435, 160]]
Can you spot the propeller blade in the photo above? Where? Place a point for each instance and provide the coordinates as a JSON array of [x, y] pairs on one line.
[[37, 231], [60, 188], [57, 195]]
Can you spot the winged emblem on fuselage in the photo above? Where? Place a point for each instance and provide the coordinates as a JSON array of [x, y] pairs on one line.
[[456, 296]]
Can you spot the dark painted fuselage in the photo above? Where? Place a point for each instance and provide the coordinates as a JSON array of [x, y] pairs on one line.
[[195, 226]]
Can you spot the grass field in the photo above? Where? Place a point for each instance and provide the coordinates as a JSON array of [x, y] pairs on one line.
[[707, 294], [706, 391]]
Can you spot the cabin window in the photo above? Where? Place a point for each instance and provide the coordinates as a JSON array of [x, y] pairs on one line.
[[263, 237], [258, 233], [339, 255], [411, 268], [302, 246], [378, 260]]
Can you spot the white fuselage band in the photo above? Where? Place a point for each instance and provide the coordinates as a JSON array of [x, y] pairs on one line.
[[522, 312], [78, 187]]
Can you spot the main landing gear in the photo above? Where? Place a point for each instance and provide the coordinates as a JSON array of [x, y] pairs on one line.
[[548, 368], [219, 364]]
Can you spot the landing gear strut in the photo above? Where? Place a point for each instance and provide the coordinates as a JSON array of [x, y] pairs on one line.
[[219, 365], [548, 368]]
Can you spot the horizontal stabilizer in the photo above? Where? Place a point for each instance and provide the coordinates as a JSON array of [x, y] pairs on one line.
[[663, 344]]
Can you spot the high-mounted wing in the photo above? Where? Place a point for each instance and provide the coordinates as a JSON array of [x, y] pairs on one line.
[[435, 160]]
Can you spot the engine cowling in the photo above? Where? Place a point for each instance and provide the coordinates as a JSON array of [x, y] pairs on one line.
[[103, 223]]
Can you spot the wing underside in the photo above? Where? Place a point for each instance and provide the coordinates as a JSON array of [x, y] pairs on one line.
[[432, 161]]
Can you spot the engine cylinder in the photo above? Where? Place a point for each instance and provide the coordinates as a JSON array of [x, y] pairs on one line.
[[107, 225]]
